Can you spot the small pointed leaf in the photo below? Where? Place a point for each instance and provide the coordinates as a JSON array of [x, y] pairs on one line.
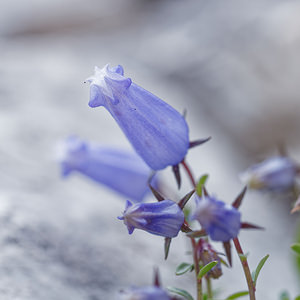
[[258, 268], [177, 175], [155, 193], [246, 225], [296, 248], [183, 268], [204, 270], [227, 248], [199, 142], [237, 295], [167, 246], [238, 201], [186, 295], [185, 199], [201, 184], [222, 261]]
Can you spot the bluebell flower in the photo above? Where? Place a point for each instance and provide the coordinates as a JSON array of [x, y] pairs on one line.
[[145, 293], [163, 218], [276, 173], [121, 170], [158, 132], [222, 222]]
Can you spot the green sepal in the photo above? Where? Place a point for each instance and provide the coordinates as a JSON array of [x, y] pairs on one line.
[[204, 270], [183, 268], [186, 295], [258, 268]]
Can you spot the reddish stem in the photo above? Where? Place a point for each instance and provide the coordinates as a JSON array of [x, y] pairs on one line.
[[189, 173], [245, 265]]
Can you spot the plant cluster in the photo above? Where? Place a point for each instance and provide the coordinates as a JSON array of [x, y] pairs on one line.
[[160, 137]]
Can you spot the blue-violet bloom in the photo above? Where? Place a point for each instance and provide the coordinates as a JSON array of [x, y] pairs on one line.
[[221, 221], [163, 218], [145, 293], [156, 130], [121, 170], [275, 173]]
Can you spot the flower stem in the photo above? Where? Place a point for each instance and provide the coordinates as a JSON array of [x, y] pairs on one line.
[[245, 265], [194, 245], [197, 269], [209, 289], [189, 173]]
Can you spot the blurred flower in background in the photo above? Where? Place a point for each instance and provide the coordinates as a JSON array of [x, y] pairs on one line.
[[277, 173], [121, 170]]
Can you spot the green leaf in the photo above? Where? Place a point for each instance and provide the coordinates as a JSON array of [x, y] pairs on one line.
[[181, 292], [243, 257], [183, 268], [297, 298], [258, 268], [201, 183], [284, 296], [205, 297], [297, 240], [296, 248], [204, 270], [237, 295], [222, 261]]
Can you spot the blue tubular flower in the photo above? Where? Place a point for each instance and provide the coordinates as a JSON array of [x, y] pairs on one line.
[[122, 171], [276, 173], [163, 218], [146, 293], [222, 222], [157, 131]]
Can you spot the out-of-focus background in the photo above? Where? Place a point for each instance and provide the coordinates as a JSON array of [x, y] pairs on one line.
[[234, 65]]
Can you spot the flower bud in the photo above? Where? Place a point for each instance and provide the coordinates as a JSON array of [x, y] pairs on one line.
[[158, 132], [207, 254], [163, 218]]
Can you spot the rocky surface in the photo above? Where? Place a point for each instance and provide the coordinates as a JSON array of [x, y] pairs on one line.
[[233, 65]]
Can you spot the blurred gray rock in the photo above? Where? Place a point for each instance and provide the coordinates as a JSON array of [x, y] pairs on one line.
[[233, 65]]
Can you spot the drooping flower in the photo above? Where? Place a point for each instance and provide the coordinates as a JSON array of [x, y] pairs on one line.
[[222, 222], [276, 173], [163, 218], [157, 131], [145, 293], [121, 170]]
